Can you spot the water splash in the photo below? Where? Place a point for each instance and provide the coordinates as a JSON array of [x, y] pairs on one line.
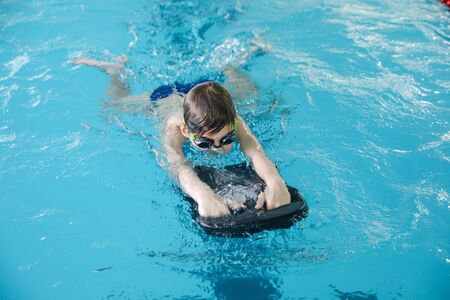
[[15, 66], [6, 93]]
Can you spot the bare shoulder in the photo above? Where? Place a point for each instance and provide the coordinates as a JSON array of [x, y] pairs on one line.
[[172, 130], [168, 106], [173, 121]]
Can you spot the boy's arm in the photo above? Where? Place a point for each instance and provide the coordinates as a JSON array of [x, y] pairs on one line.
[[209, 203], [276, 193]]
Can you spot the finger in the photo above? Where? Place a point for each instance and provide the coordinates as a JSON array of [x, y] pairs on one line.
[[214, 214], [261, 200], [201, 212], [234, 205], [273, 206], [226, 211]]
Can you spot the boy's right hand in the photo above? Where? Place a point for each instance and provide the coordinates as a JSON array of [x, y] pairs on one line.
[[214, 206]]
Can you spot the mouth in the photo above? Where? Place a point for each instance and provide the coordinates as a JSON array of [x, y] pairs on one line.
[[215, 151]]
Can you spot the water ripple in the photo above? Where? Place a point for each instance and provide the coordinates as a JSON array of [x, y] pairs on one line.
[[6, 94], [5, 138], [15, 65]]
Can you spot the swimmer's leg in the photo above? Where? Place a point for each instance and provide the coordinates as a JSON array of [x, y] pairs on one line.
[[118, 89], [239, 83], [109, 68]]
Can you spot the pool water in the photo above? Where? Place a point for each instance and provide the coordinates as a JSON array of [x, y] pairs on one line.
[[353, 107]]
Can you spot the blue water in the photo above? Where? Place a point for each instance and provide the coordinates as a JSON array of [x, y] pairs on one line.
[[353, 108]]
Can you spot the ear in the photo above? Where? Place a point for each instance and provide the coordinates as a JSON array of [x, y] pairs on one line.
[[184, 130]]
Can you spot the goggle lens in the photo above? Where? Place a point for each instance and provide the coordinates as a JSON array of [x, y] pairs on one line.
[[203, 143], [227, 141]]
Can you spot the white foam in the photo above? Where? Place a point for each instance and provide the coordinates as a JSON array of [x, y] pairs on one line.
[[6, 94], [75, 141], [232, 52], [6, 138], [43, 75], [15, 65]]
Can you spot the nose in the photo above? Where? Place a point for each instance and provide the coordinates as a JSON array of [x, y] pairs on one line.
[[217, 149], [214, 146]]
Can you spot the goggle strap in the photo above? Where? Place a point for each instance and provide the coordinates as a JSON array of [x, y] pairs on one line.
[[191, 136]]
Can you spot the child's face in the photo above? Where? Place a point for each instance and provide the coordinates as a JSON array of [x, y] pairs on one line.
[[223, 140]]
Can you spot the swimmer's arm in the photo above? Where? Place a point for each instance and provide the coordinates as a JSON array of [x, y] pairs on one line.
[[130, 103], [209, 203], [276, 193], [119, 91]]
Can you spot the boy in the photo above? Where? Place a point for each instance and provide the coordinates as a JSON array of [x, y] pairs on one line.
[[209, 121]]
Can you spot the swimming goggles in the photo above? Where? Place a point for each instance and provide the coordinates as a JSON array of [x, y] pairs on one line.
[[206, 143]]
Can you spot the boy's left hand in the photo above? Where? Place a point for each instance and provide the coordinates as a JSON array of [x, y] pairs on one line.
[[275, 195]]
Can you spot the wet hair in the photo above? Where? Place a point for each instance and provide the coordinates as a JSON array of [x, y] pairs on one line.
[[208, 108]]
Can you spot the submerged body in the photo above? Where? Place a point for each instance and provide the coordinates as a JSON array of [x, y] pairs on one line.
[[183, 120]]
